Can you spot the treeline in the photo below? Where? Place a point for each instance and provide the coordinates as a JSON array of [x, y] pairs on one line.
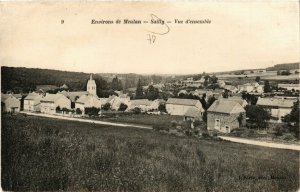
[[24, 80], [286, 66]]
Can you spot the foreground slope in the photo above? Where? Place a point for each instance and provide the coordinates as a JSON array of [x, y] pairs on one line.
[[46, 154]]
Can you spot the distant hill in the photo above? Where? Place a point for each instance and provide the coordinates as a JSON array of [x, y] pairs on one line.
[[21, 79], [26, 79], [286, 66]]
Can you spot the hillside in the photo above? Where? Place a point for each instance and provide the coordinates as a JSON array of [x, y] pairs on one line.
[[40, 154], [20, 79]]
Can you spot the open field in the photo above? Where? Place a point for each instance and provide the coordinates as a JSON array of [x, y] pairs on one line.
[[143, 119], [41, 154]]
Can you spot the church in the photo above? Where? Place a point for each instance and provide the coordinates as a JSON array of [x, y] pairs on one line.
[[91, 86]]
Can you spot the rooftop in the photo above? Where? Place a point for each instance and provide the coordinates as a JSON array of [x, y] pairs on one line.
[[226, 106]]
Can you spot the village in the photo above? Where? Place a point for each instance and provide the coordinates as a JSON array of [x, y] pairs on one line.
[[200, 105]]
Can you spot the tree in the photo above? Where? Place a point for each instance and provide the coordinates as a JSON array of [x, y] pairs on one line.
[[78, 111], [152, 93], [91, 111], [258, 115], [204, 117], [214, 79], [65, 110], [162, 108], [257, 79], [116, 84], [139, 93], [225, 94], [106, 106], [210, 101], [122, 107], [267, 87], [58, 109], [137, 110], [278, 72]]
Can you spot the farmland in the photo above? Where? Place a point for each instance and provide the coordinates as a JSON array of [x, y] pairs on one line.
[[41, 154]]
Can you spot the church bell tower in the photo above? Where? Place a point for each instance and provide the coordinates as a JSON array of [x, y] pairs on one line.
[[91, 86]]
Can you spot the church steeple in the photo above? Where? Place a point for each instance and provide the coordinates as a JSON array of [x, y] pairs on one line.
[[91, 86]]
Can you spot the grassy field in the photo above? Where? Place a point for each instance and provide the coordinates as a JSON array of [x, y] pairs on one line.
[[41, 154], [143, 119]]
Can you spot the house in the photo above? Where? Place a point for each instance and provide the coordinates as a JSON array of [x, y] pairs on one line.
[[73, 95], [193, 114], [221, 83], [251, 88], [184, 92], [32, 102], [64, 87], [115, 101], [277, 107], [230, 88], [175, 106], [9, 103], [225, 116], [237, 99], [46, 88], [144, 104], [51, 101], [289, 87], [86, 101]]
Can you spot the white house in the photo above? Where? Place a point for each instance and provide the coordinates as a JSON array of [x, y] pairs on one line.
[[277, 107], [144, 104], [73, 95], [32, 102], [116, 101], [237, 99], [251, 88], [9, 103], [175, 106], [87, 101], [231, 88], [51, 101]]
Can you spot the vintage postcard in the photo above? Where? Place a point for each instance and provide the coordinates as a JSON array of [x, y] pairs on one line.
[[150, 95]]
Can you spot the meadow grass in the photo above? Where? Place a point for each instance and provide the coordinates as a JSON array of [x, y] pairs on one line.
[[40, 154]]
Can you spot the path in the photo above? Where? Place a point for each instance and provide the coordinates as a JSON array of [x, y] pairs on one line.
[[88, 120], [262, 143], [232, 139]]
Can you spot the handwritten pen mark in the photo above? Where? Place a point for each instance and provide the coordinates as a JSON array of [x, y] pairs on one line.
[[159, 33]]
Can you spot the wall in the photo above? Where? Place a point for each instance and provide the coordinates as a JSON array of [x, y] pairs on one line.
[[230, 120]]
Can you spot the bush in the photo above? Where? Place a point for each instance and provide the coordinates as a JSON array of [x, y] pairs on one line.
[[91, 111], [122, 107], [106, 106], [78, 111], [58, 109], [160, 128], [289, 137], [278, 131], [137, 110]]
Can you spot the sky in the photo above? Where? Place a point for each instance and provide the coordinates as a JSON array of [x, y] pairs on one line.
[[241, 35]]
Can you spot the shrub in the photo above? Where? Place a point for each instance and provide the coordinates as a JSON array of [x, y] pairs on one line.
[[158, 127], [106, 106], [137, 110], [122, 107], [289, 137], [58, 109], [78, 111], [91, 111]]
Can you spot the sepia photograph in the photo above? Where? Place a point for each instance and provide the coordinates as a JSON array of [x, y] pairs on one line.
[[150, 96]]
